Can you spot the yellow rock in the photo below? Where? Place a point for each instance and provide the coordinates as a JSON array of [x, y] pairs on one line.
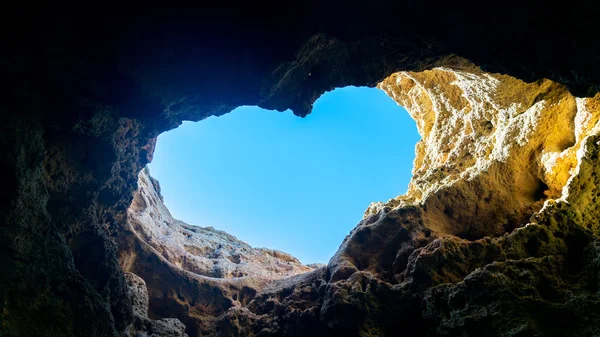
[[493, 148]]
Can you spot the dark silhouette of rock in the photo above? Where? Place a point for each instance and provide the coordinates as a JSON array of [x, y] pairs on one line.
[[142, 325], [89, 90]]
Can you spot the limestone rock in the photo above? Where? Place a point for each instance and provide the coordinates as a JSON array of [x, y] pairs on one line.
[[498, 230], [495, 236], [493, 148], [201, 250], [89, 93], [192, 274], [143, 326]]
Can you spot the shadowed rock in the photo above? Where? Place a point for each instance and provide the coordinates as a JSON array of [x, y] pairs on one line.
[[89, 90], [486, 241]]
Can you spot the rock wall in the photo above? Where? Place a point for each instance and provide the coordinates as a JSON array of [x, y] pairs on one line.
[[488, 241], [193, 273], [90, 89], [142, 325], [200, 250], [493, 145], [496, 236]]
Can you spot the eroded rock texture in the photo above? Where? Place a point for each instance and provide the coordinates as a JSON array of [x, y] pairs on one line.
[[89, 90], [496, 236], [199, 250], [493, 238], [143, 326], [193, 273]]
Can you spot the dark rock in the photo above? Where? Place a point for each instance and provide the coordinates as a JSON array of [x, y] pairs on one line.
[[90, 89]]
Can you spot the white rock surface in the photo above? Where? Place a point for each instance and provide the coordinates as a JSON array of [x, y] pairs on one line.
[[202, 250], [486, 132]]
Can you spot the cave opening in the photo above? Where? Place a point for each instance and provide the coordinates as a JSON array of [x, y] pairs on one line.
[[297, 185]]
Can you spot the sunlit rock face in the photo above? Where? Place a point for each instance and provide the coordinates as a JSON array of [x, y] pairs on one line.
[[493, 148], [200, 250], [142, 325], [89, 94], [189, 273], [497, 235]]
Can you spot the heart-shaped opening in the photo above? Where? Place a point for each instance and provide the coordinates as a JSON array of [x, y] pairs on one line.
[[293, 184]]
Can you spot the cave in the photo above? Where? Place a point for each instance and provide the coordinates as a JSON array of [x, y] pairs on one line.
[[496, 236], [271, 178]]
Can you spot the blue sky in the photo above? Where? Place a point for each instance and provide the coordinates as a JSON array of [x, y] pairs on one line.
[[279, 181]]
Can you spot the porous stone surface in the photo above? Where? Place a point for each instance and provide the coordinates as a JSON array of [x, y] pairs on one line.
[[90, 89], [142, 326], [495, 236], [199, 250], [193, 273], [496, 145]]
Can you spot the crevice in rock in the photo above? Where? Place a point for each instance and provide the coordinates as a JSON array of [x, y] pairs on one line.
[[89, 256]]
